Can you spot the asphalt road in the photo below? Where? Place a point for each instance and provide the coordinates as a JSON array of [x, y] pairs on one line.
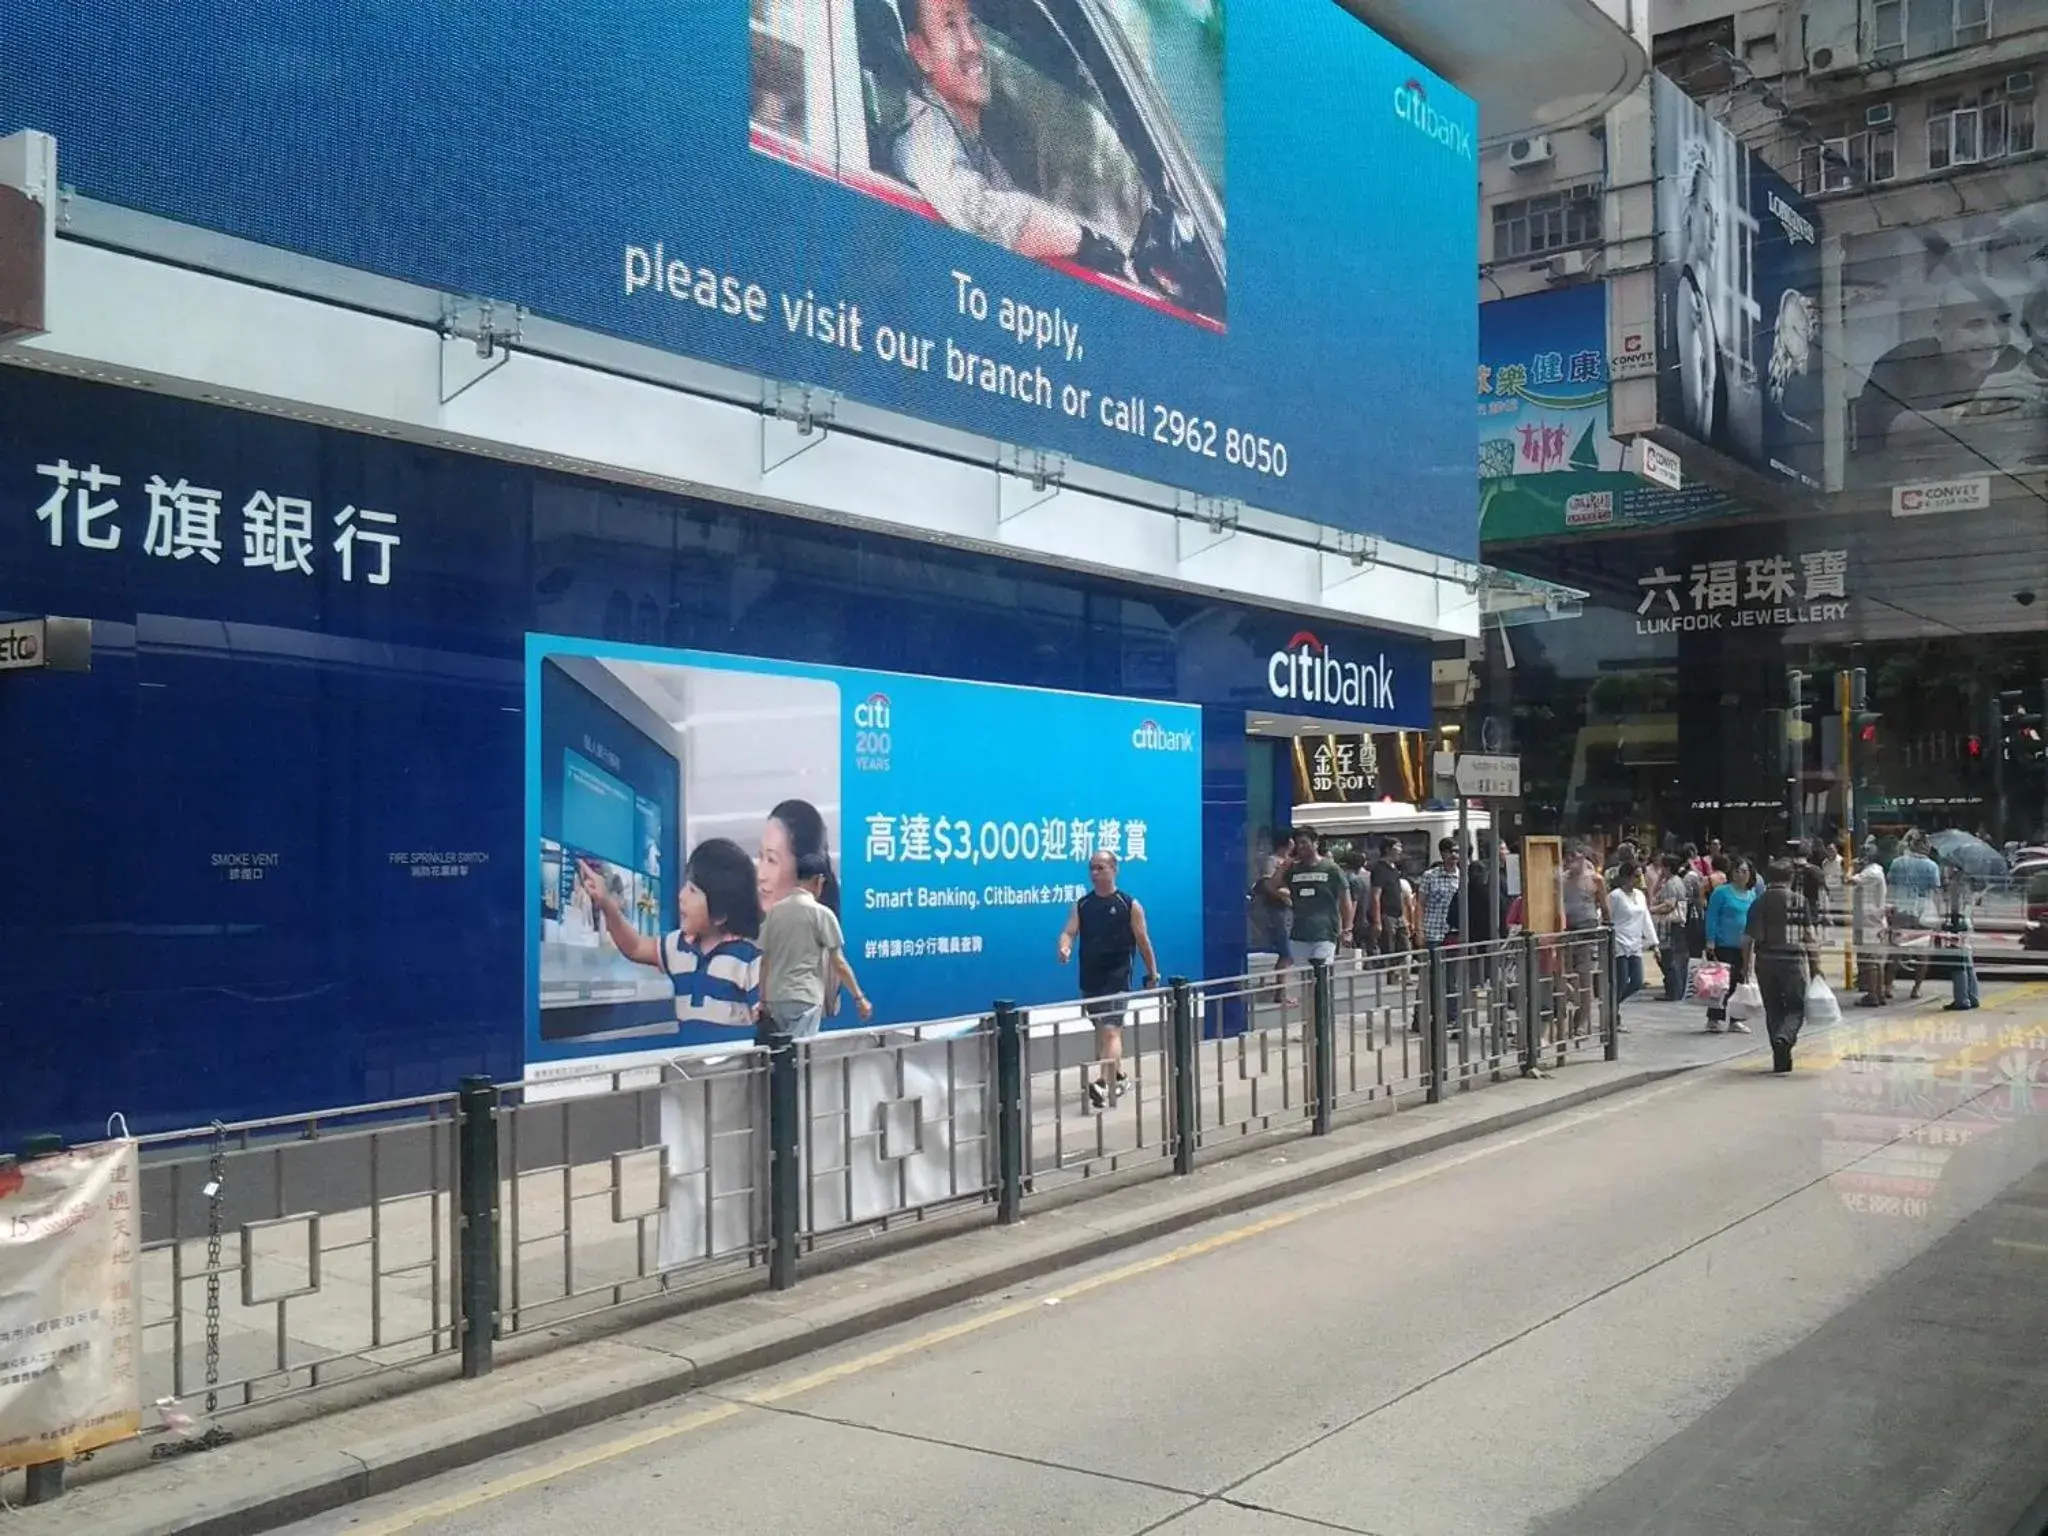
[[1729, 1304]]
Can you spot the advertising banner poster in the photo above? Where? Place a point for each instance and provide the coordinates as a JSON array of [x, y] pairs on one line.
[[70, 1314], [1945, 337], [1543, 384], [1738, 297], [1201, 245], [673, 795], [1547, 466]]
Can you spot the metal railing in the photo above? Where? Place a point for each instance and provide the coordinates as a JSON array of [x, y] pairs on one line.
[[245, 1227], [283, 1256]]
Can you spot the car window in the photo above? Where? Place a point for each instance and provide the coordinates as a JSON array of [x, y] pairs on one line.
[[1048, 124]]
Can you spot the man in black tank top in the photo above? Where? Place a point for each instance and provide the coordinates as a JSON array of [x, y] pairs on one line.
[[1111, 928]]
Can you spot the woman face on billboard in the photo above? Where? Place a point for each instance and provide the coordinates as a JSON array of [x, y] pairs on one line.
[[793, 842]]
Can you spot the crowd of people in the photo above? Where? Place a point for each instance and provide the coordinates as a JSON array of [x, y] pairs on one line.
[[1741, 935]]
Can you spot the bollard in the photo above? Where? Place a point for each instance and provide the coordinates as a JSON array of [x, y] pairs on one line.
[[476, 1194], [45, 1479], [785, 1173], [1181, 1046], [1610, 1010], [1010, 1162], [1532, 955], [1438, 1025], [1323, 1049]]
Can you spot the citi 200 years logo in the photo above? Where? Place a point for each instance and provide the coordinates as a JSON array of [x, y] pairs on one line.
[[873, 733], [1411, 105]]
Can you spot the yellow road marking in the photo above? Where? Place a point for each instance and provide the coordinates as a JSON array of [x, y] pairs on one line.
[[625, 1445], [2023, 1247]]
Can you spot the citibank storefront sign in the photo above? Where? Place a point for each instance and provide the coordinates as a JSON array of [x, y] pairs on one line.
[[1306, 671]]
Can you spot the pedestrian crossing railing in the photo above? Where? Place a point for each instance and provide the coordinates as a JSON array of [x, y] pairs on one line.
[[289, 1256]]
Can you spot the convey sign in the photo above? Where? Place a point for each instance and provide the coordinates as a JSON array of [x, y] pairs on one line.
[[1656, 462], [1972, 494], [1489, 778]]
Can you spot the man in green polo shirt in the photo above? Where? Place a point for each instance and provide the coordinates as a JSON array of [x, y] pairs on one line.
[[1321, 899]]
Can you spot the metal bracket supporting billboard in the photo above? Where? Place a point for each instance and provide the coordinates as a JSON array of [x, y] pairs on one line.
[[795, 418], [477, 337], [1355, 554], [1026, 479], [1203, 522]]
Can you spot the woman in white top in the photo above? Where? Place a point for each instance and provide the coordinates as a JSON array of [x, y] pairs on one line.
[[1634, 931]]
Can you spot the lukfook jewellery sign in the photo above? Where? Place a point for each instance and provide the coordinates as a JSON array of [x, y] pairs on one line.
[[1811, 587]]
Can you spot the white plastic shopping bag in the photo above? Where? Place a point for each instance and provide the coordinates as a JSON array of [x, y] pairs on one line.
[[1745, 1002], [1821, 1007]]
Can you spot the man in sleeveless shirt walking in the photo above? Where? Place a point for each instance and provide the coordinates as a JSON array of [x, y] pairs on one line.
[[1111, 928]]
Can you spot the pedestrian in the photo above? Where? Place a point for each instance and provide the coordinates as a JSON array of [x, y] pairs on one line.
[[1270, 892], [1437, 894], [1727, 924], [1671, 909], [1634, 931], [1868, 932], [1110, 926], [1319, 897], [1914, 882], [1359, 883], [1390, 900], [1583, 898], [803, 953], [1959, 900], [1782, 950]]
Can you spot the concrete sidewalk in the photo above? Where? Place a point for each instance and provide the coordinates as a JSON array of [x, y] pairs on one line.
[[297, 1457]]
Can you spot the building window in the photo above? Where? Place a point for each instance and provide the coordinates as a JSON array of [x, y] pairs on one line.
[[1912, 29], [1553, 221], [1842, 160], [1699, 58], [1984, 125]]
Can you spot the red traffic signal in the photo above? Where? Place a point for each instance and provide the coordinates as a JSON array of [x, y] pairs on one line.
[[1973, 746], [1869, 735]]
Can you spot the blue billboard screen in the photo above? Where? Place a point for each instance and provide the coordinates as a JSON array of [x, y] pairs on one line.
[[957, 833], [1228, 251]]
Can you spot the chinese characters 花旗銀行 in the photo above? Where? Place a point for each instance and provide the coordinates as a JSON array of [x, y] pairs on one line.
[[184, 522]]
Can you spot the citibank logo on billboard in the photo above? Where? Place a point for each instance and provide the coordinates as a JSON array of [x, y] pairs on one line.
[[1154, 737], [1308, 672], [873, 742], [1411, 105]]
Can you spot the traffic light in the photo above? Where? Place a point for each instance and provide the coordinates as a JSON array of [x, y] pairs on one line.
[[1862, 718], [1799, 702], [2022, 731]]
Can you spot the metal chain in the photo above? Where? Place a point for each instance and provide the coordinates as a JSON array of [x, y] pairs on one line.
[[216, 1202]]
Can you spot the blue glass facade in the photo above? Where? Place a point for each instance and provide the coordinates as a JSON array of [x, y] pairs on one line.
[[268, 850]]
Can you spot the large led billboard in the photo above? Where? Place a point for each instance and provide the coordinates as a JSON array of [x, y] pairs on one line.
[[1738, 297], [1224, 248]]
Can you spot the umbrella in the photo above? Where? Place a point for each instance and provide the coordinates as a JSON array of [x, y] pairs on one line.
[[1977, 858]]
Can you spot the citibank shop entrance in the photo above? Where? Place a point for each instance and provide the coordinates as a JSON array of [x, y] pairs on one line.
[[375, 737]]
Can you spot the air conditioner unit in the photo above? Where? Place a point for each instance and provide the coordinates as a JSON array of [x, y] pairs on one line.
[[1830, 60], [2020, 83], [1535, 150], [1879, 116], [1571, 263]]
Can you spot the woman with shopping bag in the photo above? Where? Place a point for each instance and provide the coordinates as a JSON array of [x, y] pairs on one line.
[[1727, 921], [1782, 948]]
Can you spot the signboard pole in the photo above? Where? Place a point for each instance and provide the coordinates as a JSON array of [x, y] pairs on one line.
[[1847, 770], [1465, 873]]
